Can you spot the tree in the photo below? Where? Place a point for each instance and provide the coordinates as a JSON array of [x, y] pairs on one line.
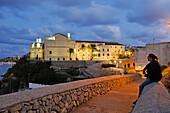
[[71, 50]]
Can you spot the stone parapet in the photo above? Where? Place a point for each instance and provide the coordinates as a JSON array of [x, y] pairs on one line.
[[154, 99], [63, 97]]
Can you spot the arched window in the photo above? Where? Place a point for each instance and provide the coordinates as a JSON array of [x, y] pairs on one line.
[[128, 65], [125, 65]]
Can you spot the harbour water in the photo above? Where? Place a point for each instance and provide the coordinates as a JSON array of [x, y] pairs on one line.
[[3, 69]]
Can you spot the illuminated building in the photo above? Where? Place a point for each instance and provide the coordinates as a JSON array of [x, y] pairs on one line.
[[60, 47], [162, 50], [37, 50]]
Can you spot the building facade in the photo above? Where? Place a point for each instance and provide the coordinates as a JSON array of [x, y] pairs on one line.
[[59, 47], [162, 50], [37, 50]]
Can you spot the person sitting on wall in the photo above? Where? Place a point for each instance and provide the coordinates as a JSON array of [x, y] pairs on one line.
[[152, 71]]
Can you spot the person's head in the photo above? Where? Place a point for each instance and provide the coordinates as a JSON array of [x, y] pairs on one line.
[[152, 57]]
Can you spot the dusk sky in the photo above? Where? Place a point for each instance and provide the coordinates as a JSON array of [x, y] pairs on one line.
[[129, 22]]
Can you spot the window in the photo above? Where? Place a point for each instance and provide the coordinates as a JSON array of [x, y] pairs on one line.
[[107, 54], [99, 54], [83, 54], [50, 59], [38, 45], [125, 65], [115, 47], [103, 54], [103, 49], [115, 51], [50, 52], [70, 58], [63, 58], [58, 58], [107, 49], [133, 64], [128, 65]]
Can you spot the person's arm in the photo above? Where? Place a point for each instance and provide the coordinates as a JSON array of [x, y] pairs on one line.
[[146, 67]]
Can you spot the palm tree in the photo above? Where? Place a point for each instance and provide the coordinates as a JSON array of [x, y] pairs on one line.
[[93, 48], [71, 50]]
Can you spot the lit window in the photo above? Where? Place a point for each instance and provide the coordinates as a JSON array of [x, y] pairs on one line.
[[33, 45], [38, 45]]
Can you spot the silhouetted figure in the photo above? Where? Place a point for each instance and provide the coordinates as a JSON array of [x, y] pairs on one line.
[[152, 71]]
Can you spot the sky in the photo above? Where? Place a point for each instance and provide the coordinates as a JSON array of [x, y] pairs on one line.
[[129, 22]]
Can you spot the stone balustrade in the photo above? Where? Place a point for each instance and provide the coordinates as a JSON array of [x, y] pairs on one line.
[[63, 97]]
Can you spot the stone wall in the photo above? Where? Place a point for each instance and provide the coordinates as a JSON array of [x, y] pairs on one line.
[[63, 97], [154, 99]]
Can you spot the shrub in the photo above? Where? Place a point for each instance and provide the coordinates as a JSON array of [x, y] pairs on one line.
[[163, 67]]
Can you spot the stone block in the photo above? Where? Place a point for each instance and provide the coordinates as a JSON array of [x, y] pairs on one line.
[[23, 110], [41, 110], [63, 110], [69, 108], [47, 103], [15, 108], [86, 94], [81, 99], [61, 105], [56, 108], [49, 96]]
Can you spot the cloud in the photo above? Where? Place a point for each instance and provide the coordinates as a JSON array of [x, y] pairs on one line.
[[95, 15], [122, 4], [13, 35], [9, 50], [19, 4], [156, 35], [51, 29], [149, 12], [106, 33], [74, 3], [1, 16]]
